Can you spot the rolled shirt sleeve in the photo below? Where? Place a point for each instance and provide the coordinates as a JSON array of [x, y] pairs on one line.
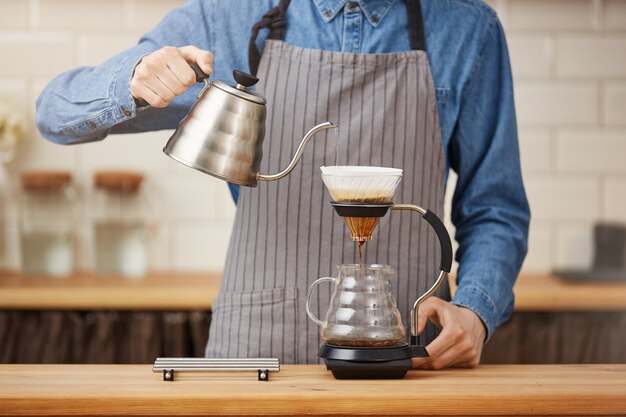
[[87, 103], [489, 208]]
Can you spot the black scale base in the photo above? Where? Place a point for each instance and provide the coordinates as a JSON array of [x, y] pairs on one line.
[[370, 363]]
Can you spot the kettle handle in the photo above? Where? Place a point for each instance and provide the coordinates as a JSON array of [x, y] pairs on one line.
[[310, 294], [200, 76]]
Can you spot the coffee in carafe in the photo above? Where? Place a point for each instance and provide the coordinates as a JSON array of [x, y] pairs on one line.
[[362, 310]]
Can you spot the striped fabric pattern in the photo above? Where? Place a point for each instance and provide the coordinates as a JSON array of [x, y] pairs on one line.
[[286, 235]]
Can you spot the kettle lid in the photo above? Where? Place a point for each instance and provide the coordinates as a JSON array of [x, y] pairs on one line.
[[241, 88]]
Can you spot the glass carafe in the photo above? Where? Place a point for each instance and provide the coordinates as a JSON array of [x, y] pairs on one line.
[[362, 312]]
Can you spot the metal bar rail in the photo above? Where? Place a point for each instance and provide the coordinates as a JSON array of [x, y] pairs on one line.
[[169, 366]]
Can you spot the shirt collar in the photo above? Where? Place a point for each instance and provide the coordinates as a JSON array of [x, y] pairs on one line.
[[374, 10]]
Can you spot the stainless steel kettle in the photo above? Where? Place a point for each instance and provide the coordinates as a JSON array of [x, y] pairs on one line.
[[223, 133]]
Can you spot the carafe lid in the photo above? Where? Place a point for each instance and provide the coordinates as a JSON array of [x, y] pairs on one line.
[[241, 88]]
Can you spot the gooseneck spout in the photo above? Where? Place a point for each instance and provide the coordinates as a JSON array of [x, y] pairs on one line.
[[298, 155]]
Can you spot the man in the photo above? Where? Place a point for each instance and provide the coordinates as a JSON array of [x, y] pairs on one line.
[[423, 87]]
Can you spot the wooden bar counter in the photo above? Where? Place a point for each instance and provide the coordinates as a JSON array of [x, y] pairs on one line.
[[533, 292], [133, 390]]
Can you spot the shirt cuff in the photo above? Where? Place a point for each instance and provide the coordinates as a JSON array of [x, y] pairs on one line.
[[122, 98], [475, 299]]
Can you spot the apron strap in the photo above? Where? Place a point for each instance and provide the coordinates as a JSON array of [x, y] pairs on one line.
[[274, 20], [416, 25]]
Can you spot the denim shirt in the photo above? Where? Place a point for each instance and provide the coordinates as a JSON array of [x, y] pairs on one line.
[[472, 76]]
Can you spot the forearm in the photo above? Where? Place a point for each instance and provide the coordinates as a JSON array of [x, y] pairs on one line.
[[87, 103], [490, 257], [83, 105]]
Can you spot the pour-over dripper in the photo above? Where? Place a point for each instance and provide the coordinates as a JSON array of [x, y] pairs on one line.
[[361, 185]]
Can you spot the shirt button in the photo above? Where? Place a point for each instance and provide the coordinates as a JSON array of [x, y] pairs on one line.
[[352, 5], [374, 18], [327, 13], [92, 124], [127, 112]]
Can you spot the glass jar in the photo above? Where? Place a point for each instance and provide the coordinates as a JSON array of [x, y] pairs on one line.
[[362, 310], [123, 216], [47, 218]]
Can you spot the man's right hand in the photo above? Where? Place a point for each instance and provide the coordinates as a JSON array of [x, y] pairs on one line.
[[165, 74]]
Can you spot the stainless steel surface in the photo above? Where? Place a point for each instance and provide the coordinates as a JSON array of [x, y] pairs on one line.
[[223, 135], [414, 311], [240, 91], [412, 207], [440, 278], [298, 155], [216, 364]]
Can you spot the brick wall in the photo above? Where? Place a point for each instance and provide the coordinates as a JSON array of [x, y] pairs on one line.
[[569, 62]]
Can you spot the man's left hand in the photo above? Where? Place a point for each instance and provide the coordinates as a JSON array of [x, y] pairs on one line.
[[460, 342]]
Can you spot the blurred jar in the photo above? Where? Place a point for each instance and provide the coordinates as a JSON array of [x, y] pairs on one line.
[[123, 217], [47, 219]]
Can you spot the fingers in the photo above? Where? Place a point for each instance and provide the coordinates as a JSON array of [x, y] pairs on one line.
[[460, 342], [165, 74], [204, 59], [431, 309], [459, 351]]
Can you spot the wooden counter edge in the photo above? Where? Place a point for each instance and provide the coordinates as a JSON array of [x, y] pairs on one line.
[[310, 390]]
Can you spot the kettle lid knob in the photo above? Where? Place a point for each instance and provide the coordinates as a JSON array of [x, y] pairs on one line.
[[244, 79]]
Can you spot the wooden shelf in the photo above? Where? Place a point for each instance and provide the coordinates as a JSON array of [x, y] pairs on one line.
[[91, 292], [197, 291], [544, 292], [100, 390]]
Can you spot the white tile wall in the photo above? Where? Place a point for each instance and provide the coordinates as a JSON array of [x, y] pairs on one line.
[[569, 65], [614, 103], [550, 14]]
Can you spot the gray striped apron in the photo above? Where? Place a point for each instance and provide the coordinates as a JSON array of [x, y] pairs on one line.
[[286, 234]]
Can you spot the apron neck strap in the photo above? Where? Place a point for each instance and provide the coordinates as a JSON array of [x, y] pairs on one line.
[[417, 37], [275, 21]]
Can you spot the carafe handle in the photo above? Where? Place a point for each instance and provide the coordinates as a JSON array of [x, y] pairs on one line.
[[310, 294]]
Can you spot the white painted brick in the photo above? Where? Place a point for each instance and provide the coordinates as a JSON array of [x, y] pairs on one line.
[[140, 152], [11, 253], [615, 14], [591, 151], [615, 200], [94, 50], [535, 150], [148, 13], [554, 104], [562, 198], [199, 246], [186, 200], [580, 56], [530, 55], [225, 207], [540, 248], [615, 104], [79, 14], [38, 153], [574, 246], [160, 248], [13, 14], [550, 14], [26, 55]]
